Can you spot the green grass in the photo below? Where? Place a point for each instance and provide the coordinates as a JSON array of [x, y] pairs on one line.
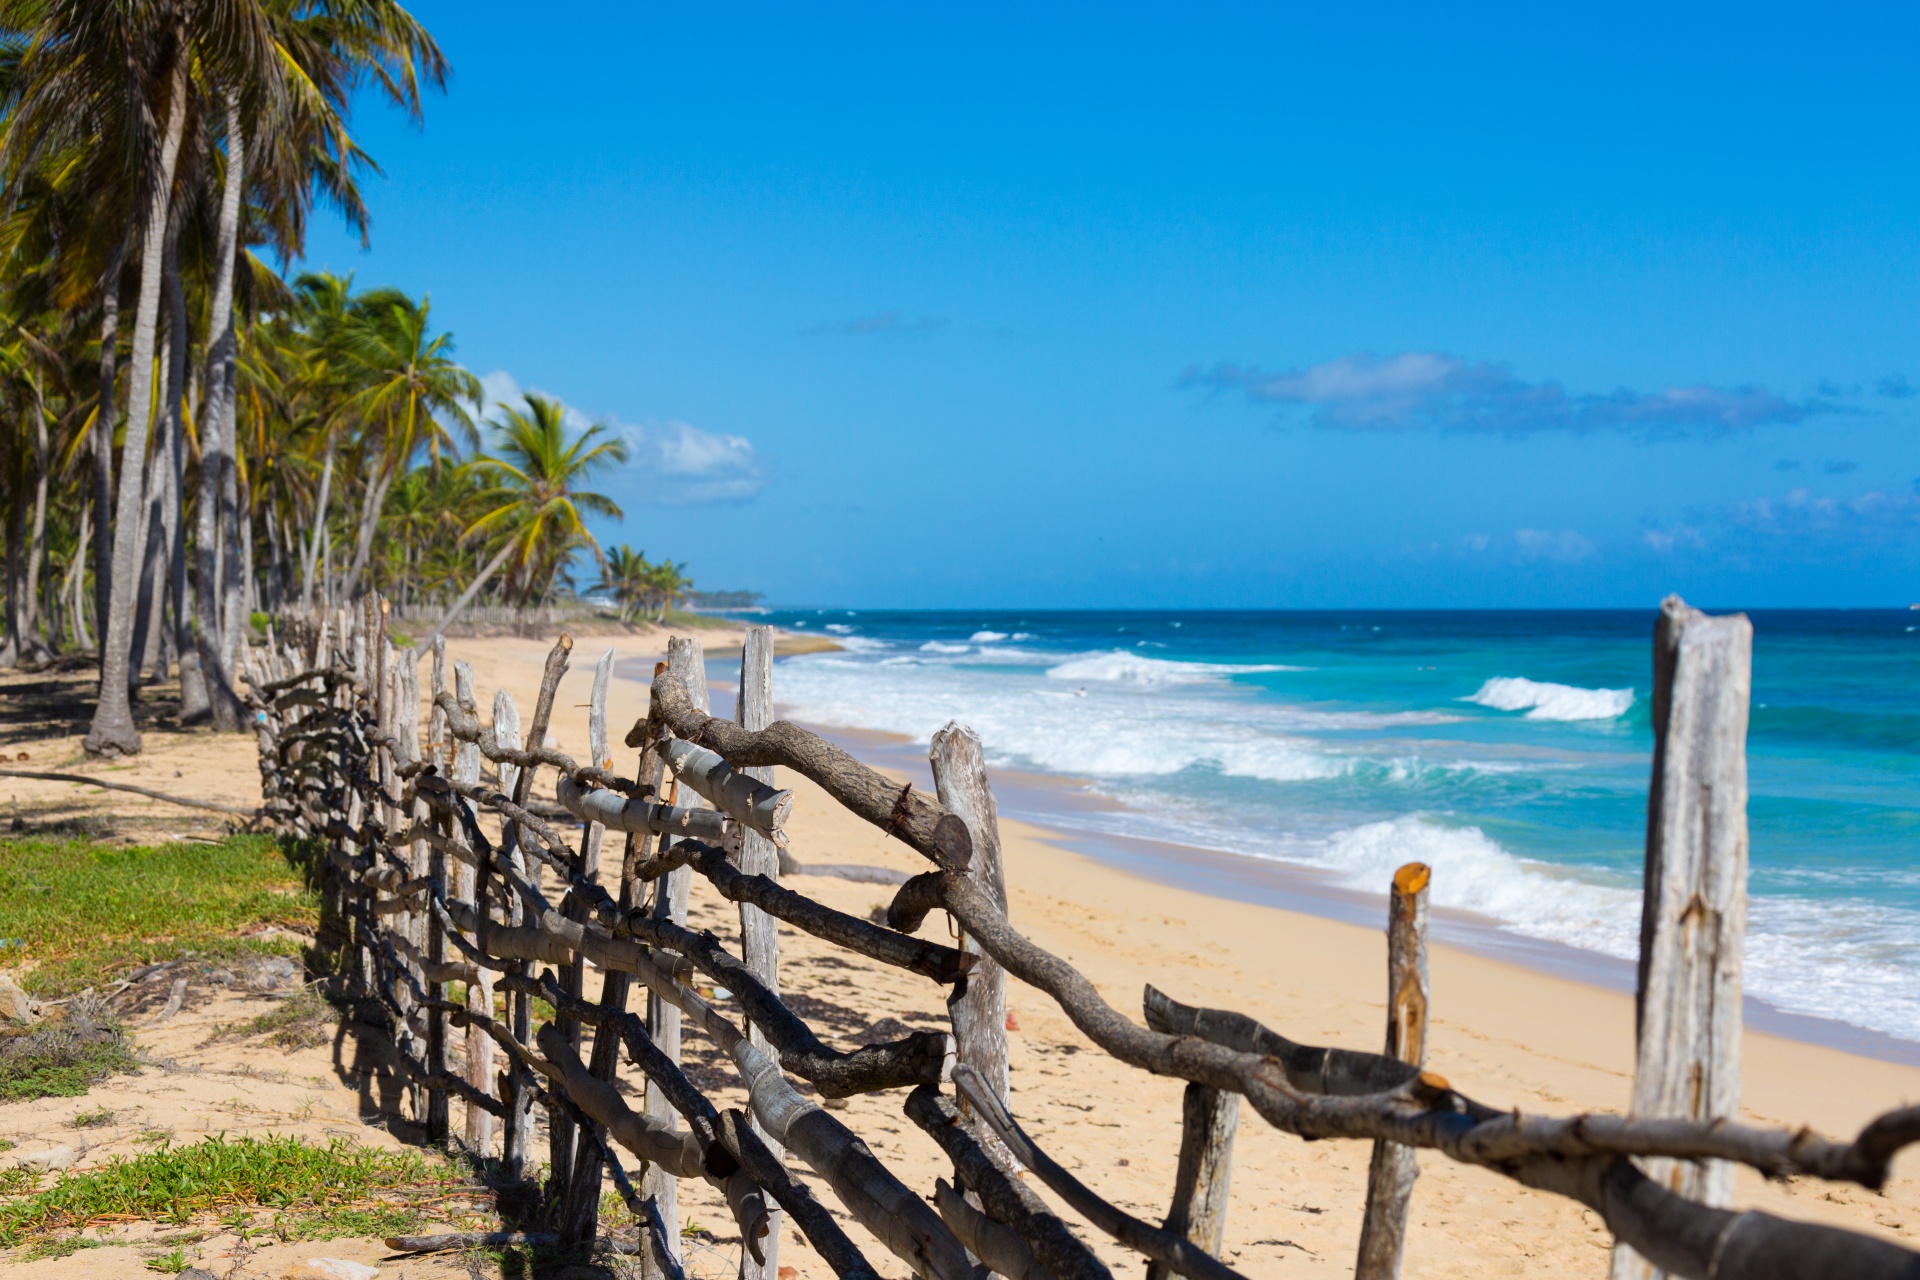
[[301, 1021], [92, 1119], [172, 1262], [63, 1058], [678, 617], [83, 910], [18, 1180], [317, 1191]]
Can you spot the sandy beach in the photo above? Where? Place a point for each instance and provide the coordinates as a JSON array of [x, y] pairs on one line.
[[1509, 1035]]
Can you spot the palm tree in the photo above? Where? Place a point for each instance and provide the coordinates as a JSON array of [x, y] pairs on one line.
[[411, 396], [626, 574], [668, 583], [533, 504]]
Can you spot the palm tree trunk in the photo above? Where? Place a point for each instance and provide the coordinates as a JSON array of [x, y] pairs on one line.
[[102, 437], [33, 642], [76, 579], [113, 732], [314, 534], [143, 648], [193, 685], [473, 589], [374, 501], [220, 574], [16, 533]]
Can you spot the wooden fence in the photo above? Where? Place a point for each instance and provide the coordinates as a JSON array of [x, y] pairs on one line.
[[446, 880]]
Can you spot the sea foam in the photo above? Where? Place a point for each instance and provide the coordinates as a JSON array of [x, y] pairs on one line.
[[1544, 701], [1121, 666], [1472, 872]]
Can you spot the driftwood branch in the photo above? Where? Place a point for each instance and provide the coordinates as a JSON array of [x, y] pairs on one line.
[[897, 810], [821, 1231], [212, 805], [642, 817], [942, 964], [918, 1059], [1007, 1199], [999, 1247], [1178, 1252], [743, 798]]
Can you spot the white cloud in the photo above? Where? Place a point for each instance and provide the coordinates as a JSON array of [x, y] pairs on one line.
[[1680, 536], [696, 465], [1568, 546], [1431, 389], [677, 462]]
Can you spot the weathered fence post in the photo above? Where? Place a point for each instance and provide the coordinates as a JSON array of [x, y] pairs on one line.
[[559, 1124], [1693, 915], [978, 1005], [759, 933], [579, 1216], [1208, 1118], [425, 927], [465, 770], [687, 662], [518, 1119], [1390, 1177]]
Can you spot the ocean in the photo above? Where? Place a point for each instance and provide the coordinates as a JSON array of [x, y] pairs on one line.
[[1508, 750]]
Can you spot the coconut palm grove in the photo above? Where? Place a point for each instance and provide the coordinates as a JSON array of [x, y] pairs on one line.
[[196, 431]]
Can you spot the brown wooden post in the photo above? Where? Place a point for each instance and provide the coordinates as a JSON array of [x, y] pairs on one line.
[[759, 932], [978, 1005], [1383, 1227], [1693, 915]]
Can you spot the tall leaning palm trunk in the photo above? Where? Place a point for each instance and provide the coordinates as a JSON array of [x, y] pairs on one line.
[[113, 732], [220, 598], [102, 436], [32, 641], [193, 685]]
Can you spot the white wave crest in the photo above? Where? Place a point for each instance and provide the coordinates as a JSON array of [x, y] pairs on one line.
[[1028, 635], [1853, 961], [840, 628], [1473, 873], [1543, 701], [941, 646], [860, 644], [1121, 667], [987, 637]]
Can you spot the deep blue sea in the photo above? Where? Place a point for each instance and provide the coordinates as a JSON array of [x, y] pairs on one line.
[[1509, 750]]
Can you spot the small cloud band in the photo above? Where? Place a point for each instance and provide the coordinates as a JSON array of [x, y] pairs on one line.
[[1430, 390]]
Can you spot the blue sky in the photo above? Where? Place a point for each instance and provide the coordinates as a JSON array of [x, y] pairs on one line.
[[1198, 306]]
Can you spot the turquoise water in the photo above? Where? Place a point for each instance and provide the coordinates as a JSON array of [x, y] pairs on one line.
[[1510, 750]]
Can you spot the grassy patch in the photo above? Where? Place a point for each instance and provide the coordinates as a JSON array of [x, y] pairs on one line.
[[310, 1186], [63, 1058], [172, 1262], [59, 1247], [332, 1224], [82, 910], [92, 1119], [18, 1180], [697, 621], [301, 1021]]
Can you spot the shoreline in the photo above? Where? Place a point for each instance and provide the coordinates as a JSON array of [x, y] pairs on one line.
[[1047, 802]]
